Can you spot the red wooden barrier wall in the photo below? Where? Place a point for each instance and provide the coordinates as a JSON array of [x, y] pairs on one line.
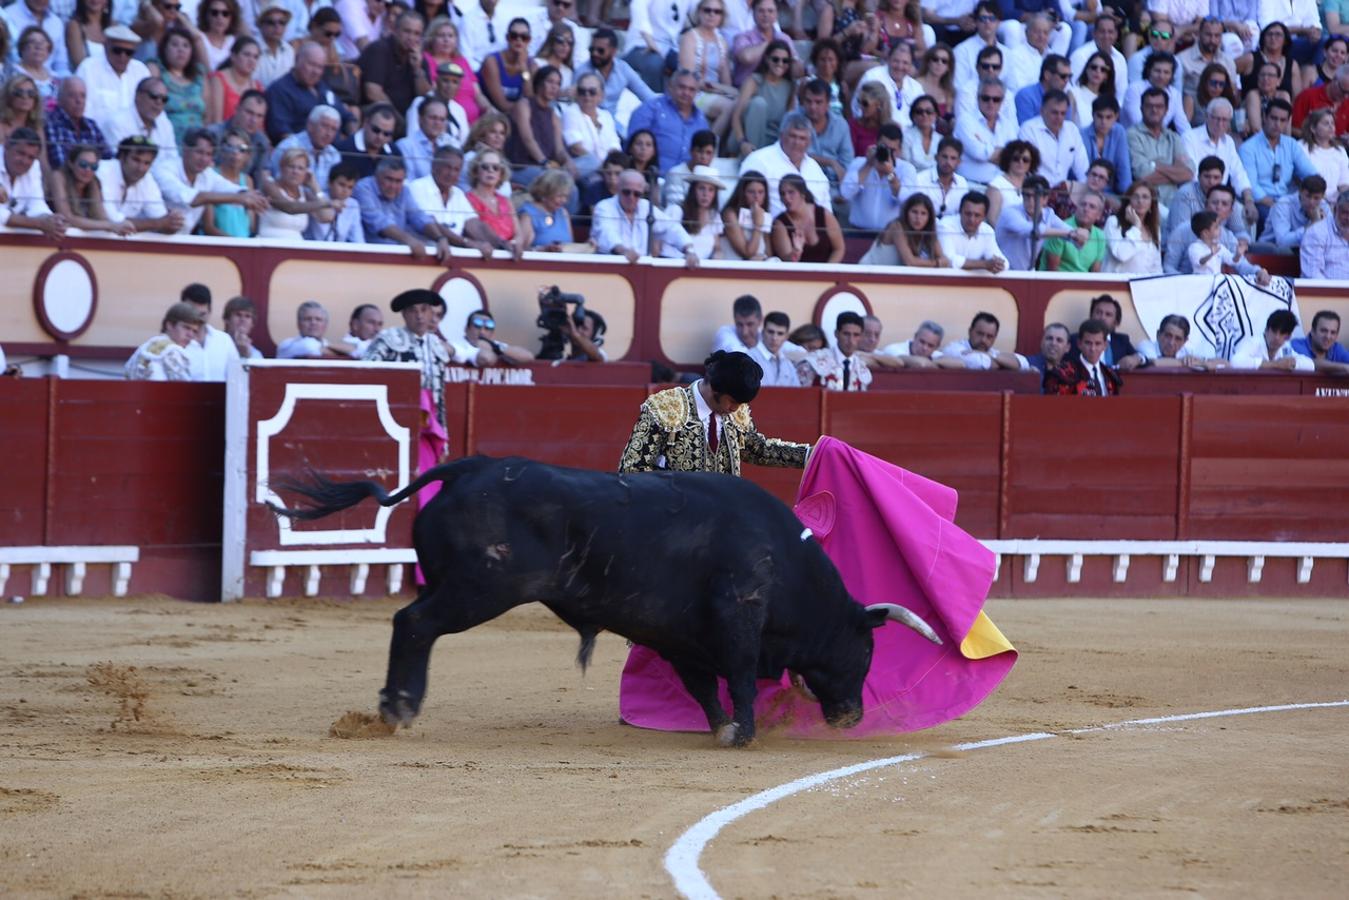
[[116, 463]]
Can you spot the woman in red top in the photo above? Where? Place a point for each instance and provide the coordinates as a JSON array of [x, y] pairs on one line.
[[227, 84], [874, 102], [486, 174]]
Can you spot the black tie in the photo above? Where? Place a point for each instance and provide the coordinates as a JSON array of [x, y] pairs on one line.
[[491, 33], [1099, 379], [847, 373]]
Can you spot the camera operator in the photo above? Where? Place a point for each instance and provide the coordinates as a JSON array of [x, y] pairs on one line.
[[875, 182], [585, 338], [479, 347]]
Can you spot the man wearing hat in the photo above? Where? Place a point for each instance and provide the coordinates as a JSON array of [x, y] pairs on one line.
[[278, 56], [449, 76], [111, 79], [416, 340]]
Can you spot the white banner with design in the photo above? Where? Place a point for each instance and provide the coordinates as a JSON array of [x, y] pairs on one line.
[[1222, 309]]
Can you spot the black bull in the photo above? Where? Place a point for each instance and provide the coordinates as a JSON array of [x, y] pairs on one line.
[[710, 571]]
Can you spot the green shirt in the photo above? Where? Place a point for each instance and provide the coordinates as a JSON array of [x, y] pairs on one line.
[[1071, 257]]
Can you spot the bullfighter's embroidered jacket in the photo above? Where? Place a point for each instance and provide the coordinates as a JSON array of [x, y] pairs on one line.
[[670, 436]]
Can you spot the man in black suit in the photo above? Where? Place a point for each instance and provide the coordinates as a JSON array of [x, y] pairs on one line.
[[1119, 350], [1084, 371]]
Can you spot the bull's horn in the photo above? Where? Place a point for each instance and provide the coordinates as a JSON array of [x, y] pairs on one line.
[[907, 617]]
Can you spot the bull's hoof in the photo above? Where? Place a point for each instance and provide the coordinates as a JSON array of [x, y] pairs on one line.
[[399, 710], [731, 735]]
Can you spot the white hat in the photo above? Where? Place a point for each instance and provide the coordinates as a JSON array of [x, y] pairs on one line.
[[274, 6], [121, 34], [707, 175]]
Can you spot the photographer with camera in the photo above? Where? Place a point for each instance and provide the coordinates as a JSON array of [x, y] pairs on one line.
[[875, 182], [572, 332]]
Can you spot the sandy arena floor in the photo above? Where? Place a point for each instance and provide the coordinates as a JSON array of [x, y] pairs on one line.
[[518, 781]]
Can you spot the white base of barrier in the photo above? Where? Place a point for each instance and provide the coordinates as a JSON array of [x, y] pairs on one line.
[[75, 559], [1254, 552], [359, 561]]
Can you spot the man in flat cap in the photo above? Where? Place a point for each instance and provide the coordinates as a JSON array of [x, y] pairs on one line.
[[416, 341]]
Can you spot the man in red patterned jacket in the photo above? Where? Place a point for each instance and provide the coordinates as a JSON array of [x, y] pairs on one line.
[[1083, 373]]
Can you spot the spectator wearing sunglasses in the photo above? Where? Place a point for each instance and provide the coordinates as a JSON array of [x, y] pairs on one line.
[[373, 142], [146, 118], [620, 224], [1104, 34], [556, 14], [111, 79], [986, 21], [392, 70]]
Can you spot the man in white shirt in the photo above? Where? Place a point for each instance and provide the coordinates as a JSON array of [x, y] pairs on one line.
[[985, 134], [778, 371], [900, 85], [367, 320], [1063, 156], [146, 118], [971, 243], [25, 204], [790, 155], [438, 195], [191, 183], [211, 352], [875, 182], [311, 320], [483, 31], [942, 184], [111, 78], [920, 351], [37, 13], [743, 336], [1022, 64], [986, 21], [1214, 139], [1104, 35], [1272, 350], [620, 225], [129, 195], [977, 351]]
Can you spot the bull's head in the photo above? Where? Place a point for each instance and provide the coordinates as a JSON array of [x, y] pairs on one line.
[[837, 684]]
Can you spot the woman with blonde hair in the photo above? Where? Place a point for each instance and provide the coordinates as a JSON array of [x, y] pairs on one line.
[[557, 51], [293, 199], [937, 76], [1325, 152], [543, 221], [441, 45], [492, 131], [21, 107], [77, 195], [874, 110], [704, 52], [488, 172]]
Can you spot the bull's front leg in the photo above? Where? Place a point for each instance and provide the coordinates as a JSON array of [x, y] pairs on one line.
[[702, 686], [743, 689], [409, 657]]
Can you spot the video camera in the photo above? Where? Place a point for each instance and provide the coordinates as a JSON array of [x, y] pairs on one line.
[[553, 317]]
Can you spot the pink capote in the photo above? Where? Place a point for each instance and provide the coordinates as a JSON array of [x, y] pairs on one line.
[[891, 535], [431, 445]]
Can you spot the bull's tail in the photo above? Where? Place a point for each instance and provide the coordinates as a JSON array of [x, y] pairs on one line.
[[322, 496]]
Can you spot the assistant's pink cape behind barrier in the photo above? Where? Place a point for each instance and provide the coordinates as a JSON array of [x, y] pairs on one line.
[[891, 535]]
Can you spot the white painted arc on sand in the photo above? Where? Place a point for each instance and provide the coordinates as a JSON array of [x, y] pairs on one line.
[[681, 860]]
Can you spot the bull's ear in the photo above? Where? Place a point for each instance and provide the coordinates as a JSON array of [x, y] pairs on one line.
[[876, 616]]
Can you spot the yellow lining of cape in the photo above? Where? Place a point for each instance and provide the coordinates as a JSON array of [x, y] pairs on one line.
[[984, 640]]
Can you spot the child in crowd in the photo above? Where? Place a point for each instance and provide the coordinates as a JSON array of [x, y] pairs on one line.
[[1207, 254]]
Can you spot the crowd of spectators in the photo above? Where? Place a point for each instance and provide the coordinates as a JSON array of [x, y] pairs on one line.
[[984, 135]]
